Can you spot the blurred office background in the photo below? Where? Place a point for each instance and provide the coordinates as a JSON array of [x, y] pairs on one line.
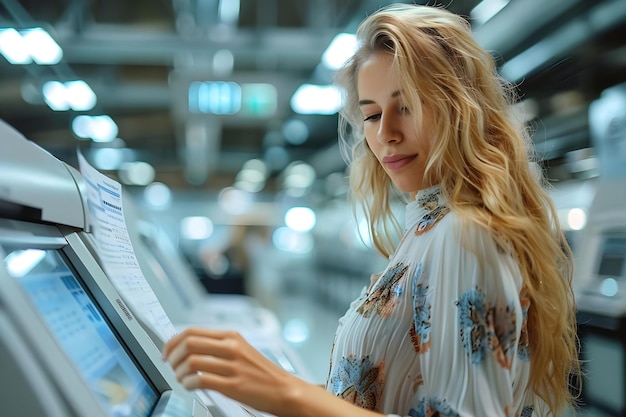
[[219, 118]]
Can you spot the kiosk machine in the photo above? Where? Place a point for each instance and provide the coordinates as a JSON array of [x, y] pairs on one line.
[[69, 345], [600, 273], [180, 291], [173, 283]]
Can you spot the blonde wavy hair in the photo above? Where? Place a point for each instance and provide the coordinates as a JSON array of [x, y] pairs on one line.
[[481, 156]]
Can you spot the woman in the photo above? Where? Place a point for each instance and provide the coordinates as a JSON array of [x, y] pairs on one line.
[[474, 315]]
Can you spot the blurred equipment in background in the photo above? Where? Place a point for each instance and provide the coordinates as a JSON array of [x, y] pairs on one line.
[[600, 276]]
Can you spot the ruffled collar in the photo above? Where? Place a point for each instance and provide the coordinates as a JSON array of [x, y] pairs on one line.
[[427, 206]]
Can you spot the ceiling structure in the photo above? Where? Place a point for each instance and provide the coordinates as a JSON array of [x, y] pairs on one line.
[[139, 57]]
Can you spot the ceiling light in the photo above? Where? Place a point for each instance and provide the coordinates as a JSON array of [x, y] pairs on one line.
[[316, 99], [13, 47], [340, 49], [216, 97], [42, 48], [80, 96], [300, 219], [97, 128], [196, 227], [75, 95], [55, 96], [81, 126]]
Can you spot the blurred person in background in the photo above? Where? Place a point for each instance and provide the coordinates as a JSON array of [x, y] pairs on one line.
[[474, 315]]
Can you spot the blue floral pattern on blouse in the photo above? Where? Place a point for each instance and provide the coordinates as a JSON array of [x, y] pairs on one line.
[[358, 381], [431, 407], [430, 202], [486, 328], [385, 293], [420, 330]]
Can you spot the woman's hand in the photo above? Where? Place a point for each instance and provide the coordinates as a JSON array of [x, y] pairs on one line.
[[224, 361]]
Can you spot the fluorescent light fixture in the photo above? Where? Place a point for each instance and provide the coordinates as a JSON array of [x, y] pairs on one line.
[[215, 97], [30, 45], [97, 128], [42, 48], [55, 96], [81, 126], [75, 95], [300, 219], [316, 99], [80, 96], [13, 47], [196, 227], [103, 129], [340, 49]]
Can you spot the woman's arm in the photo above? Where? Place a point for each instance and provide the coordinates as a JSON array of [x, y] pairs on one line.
[[223, 361]]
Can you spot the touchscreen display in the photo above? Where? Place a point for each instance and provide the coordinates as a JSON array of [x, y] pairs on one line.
[[82, 332], [613, 257]]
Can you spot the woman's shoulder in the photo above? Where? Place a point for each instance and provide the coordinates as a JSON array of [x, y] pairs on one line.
[[452, 228]]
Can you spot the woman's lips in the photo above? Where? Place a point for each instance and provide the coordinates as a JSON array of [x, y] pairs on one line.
[[394, 162]]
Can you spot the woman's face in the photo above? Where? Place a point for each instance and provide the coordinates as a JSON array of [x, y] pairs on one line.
[[389, 125]]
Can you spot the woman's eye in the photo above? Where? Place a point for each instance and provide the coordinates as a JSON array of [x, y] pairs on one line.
[[372, 117], [404, 109]]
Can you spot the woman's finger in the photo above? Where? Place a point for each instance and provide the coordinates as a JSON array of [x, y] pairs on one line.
[[204, 381], [194, 364], [195, 331], [199, 344]]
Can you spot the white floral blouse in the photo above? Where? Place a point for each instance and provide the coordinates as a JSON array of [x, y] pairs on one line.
[[442, 330]]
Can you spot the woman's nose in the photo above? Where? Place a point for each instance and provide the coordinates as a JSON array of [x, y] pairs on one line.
[[389, 130]]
